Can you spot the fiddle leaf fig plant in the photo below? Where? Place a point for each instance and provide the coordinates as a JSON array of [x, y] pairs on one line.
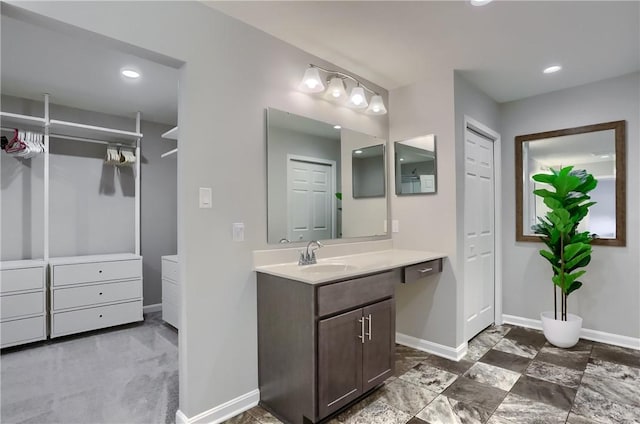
[[567, 249]]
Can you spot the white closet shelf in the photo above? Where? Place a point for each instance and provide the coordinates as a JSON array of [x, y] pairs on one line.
[[172, 134], [169, 153], [10, 120], [89, 131], [67, 260]]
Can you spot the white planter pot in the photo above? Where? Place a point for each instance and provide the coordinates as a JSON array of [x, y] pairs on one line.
[[561, 333]]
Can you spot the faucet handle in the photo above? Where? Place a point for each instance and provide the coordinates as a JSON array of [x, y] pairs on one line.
[[302, 260]]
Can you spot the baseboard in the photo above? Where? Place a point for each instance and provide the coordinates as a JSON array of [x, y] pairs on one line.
[[454, 354], [222, 412], [585, 333], [152, 308]]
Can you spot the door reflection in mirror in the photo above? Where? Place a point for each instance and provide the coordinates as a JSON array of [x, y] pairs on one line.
[[415, 163]]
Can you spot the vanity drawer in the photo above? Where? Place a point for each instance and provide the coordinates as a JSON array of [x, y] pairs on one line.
[[170, 292], [17, 305], [74, 297], [341, 296], [170, 270], [21, 331], [63, 323], [21, 279], [96, 271], [415, 272]]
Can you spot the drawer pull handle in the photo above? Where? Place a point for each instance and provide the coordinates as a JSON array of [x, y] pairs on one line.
[[361, 336], [368, 318], [422, 271]]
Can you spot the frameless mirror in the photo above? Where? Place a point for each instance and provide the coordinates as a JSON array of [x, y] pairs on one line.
[[367, 169], [415, 165], [598, 149], [311, 180]]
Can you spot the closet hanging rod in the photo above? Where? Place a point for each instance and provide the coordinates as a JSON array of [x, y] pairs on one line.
[[13, 129], [91, 140]]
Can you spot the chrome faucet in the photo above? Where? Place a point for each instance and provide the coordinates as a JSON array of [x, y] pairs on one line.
[[309, 257]]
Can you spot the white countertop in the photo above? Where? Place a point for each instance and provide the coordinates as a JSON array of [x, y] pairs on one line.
[[354, 265]]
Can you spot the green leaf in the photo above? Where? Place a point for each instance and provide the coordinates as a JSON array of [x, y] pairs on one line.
[[584, 262], [544, 178], [543, 192], [573, 263], [571, 250], [553, 259], [573, 287], [552, 203], [570, 278]]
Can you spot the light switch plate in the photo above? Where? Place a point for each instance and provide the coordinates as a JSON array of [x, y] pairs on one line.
[[205, 200], [395, 226], [238, 231]]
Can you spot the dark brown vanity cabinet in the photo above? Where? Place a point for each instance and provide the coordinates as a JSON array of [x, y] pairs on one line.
[[320, 347]]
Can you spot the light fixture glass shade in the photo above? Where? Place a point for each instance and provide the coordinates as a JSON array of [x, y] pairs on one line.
[[311, 82], [376, 106], [336, 90], [357, 98]]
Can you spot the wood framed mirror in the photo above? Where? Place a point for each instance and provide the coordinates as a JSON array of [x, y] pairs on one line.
[[599, 149]]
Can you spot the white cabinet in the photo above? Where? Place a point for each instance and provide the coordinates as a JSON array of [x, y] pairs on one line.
[[92, 292], [22, 302], [171, 290]]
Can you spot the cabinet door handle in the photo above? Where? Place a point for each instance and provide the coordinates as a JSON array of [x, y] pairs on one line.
[[361, 336], [368, 318], [422, 271]]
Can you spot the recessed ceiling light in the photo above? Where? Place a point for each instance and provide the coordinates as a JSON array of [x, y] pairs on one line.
[[358, 152], [401, 159], [130, 73], [480, 2], [552, 69], [337, 127]]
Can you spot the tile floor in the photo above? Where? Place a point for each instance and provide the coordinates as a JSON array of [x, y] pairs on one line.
[[509, 376]]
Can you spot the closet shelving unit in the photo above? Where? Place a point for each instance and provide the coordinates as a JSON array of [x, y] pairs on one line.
[[172, 134], [85, 292]]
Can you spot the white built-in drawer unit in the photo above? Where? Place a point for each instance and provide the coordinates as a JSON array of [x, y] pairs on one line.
[[92, 292], [22, 302], [171, 291]]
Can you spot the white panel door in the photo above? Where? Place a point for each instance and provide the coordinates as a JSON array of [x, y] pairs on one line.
[[479, 234], [310, 200]]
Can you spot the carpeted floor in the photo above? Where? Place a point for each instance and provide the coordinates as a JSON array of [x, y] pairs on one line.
[[126, 374]]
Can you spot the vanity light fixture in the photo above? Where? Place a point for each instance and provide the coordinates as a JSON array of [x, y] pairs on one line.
[[130, 73], [337, 89], [552, 69]]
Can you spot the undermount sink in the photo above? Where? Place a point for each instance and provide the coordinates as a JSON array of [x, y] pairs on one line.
[[327, 267]]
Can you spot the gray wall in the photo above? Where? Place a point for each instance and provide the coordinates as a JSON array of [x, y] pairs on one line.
[[232, 73], [369, 176], [282, 142], [610, 298], [91, 204]]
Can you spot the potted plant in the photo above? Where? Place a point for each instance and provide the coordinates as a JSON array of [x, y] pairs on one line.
[[567, 249]]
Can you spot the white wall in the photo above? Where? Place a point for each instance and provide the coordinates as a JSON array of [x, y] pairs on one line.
[[363, 216], [427, 308], [231, 74], [609, 301]]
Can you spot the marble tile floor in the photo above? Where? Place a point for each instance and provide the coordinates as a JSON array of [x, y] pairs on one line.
[[510, 375], [126, 374]]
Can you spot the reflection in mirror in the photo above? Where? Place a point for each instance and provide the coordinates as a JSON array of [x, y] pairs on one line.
[[415, 164], [598, 149], [367, 168], [309, 182]]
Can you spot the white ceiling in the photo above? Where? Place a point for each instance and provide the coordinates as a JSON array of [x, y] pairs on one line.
[[501, 47], [80, 73]]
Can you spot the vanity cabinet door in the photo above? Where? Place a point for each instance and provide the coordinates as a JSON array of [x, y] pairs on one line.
[[339, 361], [378, 355]]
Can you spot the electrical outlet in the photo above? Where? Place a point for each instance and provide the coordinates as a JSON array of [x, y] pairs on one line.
[[395, 226], [238, 231]]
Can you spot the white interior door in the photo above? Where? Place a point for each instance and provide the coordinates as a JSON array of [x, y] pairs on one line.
[[479, 234], [310, 200]]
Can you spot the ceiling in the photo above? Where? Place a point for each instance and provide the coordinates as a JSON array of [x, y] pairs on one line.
[[83, 74], [501, 47]]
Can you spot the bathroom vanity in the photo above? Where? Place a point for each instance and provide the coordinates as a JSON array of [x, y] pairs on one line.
[[326, 332]]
